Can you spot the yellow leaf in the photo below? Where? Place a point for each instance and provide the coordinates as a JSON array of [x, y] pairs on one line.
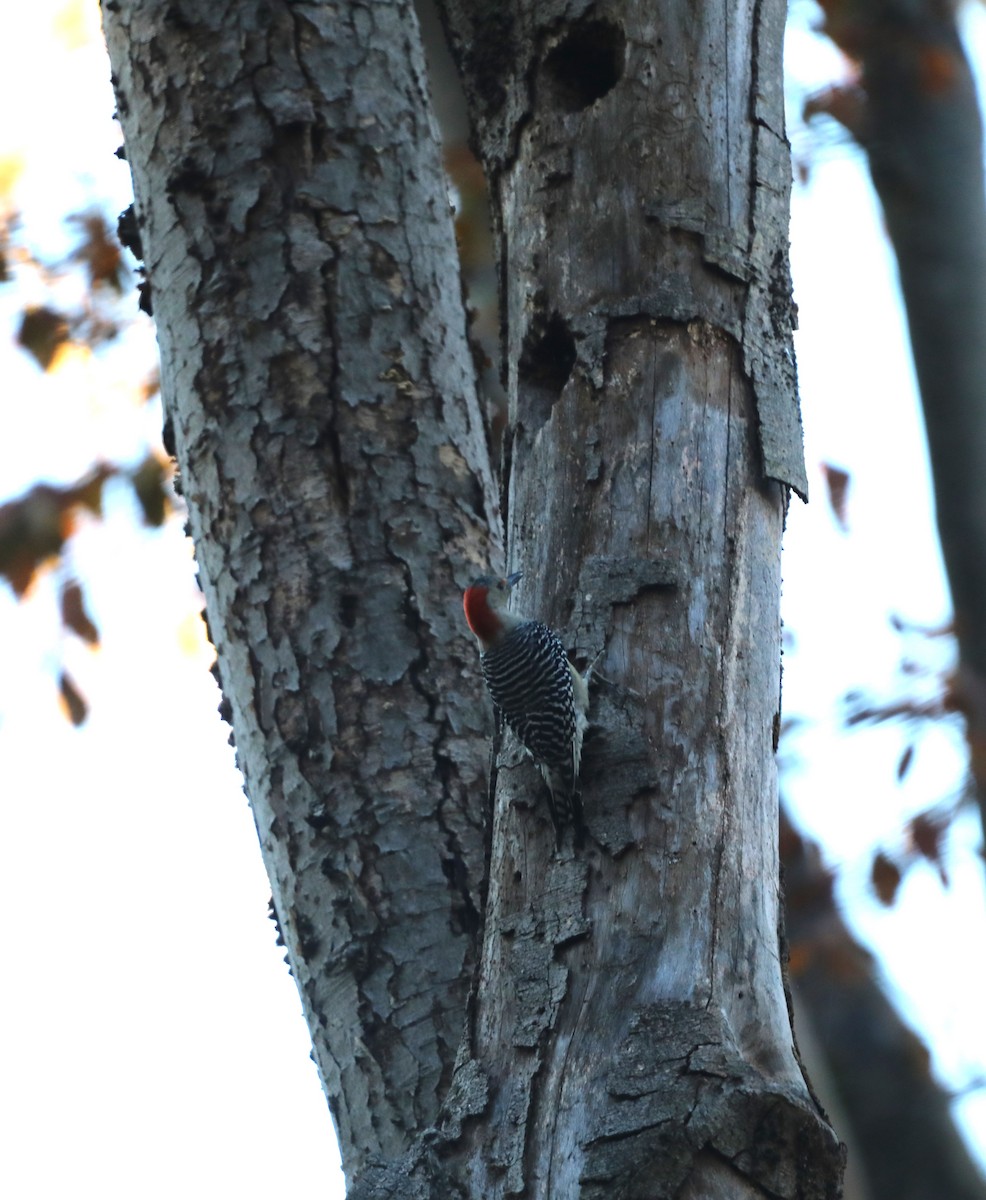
[[69, 356], [76, 23], [11, 168], [193, 641]]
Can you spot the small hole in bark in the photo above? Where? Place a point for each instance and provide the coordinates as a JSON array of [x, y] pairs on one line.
[[318, 816], [546, 362], [347, 609], [586, 64], [548, 355]]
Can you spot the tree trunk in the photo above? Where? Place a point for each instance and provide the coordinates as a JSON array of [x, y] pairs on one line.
[[917, 117], [319, 385], [877, 1070], [628, 1033], [925, 146], [631, 1019]]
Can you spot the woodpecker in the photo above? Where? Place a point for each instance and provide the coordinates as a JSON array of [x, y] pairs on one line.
[[542, 697]]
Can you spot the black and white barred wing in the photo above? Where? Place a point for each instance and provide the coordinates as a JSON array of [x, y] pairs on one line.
[[530, 681]]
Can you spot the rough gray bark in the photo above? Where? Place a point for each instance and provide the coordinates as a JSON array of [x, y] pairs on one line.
[[628, 1035], [316, 374], [630, 1025]]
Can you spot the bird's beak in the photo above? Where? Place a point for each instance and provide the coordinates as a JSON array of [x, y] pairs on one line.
[[512, 579]]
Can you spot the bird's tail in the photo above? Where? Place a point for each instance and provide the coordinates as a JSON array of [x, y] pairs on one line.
[[565, 800]]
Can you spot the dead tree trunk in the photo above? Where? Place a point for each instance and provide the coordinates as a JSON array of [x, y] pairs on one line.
[[631, 1019]]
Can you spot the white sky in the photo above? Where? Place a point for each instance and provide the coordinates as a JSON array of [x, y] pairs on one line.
[[151, 1039]]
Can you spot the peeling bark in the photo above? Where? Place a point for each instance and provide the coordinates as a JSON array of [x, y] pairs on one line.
[[631, 1022]]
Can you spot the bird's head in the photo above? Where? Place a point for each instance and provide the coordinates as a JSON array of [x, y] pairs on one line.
[[485, 604]]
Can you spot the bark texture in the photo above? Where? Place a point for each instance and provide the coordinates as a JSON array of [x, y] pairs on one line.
[[630, 1035], [319, 386]]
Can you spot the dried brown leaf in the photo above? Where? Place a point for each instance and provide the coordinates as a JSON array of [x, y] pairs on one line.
[[837, 482], [73, 702], [904, 765], [99, 251], [149, 485], [75, 616], [43, 331], [885, 877]]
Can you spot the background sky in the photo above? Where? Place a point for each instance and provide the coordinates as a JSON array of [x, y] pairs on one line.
[[151, 1038], [861, 413]]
